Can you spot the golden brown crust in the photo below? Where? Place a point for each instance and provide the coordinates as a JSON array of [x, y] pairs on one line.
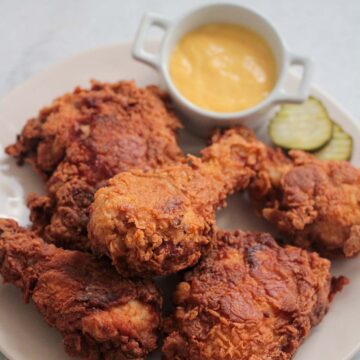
[[314, 203], [248, 299], [99, 314], [83, 139], [161, 221]]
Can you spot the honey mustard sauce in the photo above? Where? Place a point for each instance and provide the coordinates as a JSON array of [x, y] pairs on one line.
[[223, 67]]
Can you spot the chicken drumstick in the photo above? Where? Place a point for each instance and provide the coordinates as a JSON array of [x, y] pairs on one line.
[[159, 222]]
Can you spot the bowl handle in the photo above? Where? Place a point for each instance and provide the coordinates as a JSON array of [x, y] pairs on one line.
[[138, 51], [303, 91]]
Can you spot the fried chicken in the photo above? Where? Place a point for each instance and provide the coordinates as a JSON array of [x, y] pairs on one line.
[[159, 222], [83, 139], [314, 203], [100, 315], [249, 299]]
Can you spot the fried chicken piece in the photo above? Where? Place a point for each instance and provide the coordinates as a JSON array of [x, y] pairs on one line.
[[100, 315], [85, 138], [249, 299], [159, 222], [314, 203]]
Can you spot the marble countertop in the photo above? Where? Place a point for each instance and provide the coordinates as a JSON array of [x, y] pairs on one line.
[[35, 34]]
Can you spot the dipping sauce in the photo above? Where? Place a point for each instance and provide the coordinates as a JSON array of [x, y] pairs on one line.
[[223, 67]]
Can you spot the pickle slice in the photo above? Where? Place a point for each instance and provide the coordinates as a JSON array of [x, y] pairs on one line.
[[305, 126], [338, 148]]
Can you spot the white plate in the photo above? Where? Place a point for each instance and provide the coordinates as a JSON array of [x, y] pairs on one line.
[[23, 333]]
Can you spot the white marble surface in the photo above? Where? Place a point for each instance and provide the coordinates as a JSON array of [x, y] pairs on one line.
[[37, 33]]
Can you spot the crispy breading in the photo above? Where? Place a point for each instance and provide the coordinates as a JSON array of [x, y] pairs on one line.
[[249, 299], [314, 203], [159, 222], [83, 139], [100, 315]]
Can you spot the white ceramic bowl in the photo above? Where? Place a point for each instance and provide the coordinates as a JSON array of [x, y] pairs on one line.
[[201, 121]]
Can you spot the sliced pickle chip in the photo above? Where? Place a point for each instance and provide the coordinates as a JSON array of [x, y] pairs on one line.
[[304, 126], [338, 148]]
